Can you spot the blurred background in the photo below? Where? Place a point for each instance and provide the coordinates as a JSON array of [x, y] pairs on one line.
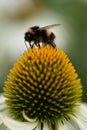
[[16, 16]]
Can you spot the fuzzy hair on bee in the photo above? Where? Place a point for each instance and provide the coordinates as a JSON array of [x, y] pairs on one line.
[[38, 35]]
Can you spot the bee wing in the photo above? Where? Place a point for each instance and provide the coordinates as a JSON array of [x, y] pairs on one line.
[[49, 26]]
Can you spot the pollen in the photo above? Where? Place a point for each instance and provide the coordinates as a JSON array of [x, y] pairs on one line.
[[44, 84]]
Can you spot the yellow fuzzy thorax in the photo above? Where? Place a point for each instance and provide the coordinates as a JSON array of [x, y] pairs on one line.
[[44, 84]]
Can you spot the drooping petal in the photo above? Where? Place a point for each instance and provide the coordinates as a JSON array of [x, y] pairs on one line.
[[45, 127], [83, 112], [17, 125], [3, 127], [81, 117], [2, 99], [0, 121], [68, 126], [2, 104], [78, 121], [74, 124]]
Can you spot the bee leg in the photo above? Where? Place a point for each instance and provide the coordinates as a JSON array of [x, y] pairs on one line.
[[51, 40], [53, 44], [26, 45], [38, 45], [30, 44]]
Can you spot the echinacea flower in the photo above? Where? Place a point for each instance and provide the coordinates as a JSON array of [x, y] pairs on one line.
[[43, 91]]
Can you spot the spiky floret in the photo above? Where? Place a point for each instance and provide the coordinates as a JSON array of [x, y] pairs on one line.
[[44, 85]]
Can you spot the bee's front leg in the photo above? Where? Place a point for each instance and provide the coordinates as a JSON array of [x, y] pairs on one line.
[[26, 45], [30, 44], [38, 44]]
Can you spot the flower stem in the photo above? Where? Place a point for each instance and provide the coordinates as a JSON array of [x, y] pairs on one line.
[[52, 127]]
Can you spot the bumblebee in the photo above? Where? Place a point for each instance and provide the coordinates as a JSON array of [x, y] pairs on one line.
[[39, 35]]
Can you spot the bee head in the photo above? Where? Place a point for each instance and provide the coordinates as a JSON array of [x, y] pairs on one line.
[[28, 37]]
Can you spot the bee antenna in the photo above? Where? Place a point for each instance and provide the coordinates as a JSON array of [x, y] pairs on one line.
[[26, 45]]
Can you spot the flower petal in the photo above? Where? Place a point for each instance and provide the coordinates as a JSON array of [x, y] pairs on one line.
[[78, 122], [17, 125], [74, 124], [2, 99], [2, 103], [81, 118], [0, 121], [3, 127], [67, 126]]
